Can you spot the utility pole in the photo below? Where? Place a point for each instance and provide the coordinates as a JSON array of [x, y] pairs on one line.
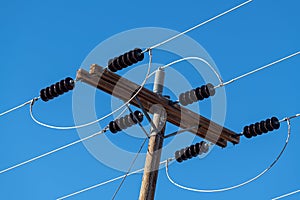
[[163, 111], [156, 139]]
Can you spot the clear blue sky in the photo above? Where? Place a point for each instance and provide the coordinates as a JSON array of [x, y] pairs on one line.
[[43, 42]]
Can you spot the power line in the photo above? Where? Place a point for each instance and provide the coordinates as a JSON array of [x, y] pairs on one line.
[[60, 148], [60, 127], [149, 49], [279, 154], [19, 106], [197, 26], [170, 159], [258, 69], [53, 151], [108, 181], [32, 101], [147, 76], [71, 144], [100, 184], [222, 83], [286, 195], [190, 58], [287, 119], [292, 117], [100, 119]]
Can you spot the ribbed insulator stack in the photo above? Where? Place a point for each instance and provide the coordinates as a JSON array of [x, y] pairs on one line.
[[191, 151], [261, 127], [198, 94], [57, 89], [125, 60], [126, 121]]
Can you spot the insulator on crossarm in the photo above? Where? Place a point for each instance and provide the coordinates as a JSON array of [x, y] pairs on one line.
[[125, 60], [57, 89], [191, 151], [197, 94], [262, 127], [125, 122]]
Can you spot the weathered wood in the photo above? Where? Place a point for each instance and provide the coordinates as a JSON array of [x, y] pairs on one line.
[[148, 186], [124, 89]]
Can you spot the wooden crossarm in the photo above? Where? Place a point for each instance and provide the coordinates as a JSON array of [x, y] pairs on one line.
[[124, 89]]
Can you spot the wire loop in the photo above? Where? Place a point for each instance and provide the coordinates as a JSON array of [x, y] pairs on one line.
[[238, 185], [104, 117]]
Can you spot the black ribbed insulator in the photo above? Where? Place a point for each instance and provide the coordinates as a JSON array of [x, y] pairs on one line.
[[126, 121], [125, 60], [261, 127], [191, 151], [197, 94], [57, 89]]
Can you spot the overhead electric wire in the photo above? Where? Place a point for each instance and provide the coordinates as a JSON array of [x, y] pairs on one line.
[[222, 83], [286, 195], [196, 26], [147, 50], [258, 69], [58, 149], [219, 77], [241, 184], [104, 117], [53, 151], [116, 110], [17, 107], [291, 117], [108, 181], [190, 58], [170, 159]]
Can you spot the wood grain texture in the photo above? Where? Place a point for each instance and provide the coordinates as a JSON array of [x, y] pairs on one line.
[[124, 89]]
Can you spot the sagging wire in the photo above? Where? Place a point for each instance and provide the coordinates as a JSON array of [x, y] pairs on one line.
[[190, 58], [287, 119], [186, 59], [102, 118], [146, 50], [222, 83]]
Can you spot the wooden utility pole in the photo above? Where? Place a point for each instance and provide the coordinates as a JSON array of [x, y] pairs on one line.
[[163, 111], [156, 139]]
